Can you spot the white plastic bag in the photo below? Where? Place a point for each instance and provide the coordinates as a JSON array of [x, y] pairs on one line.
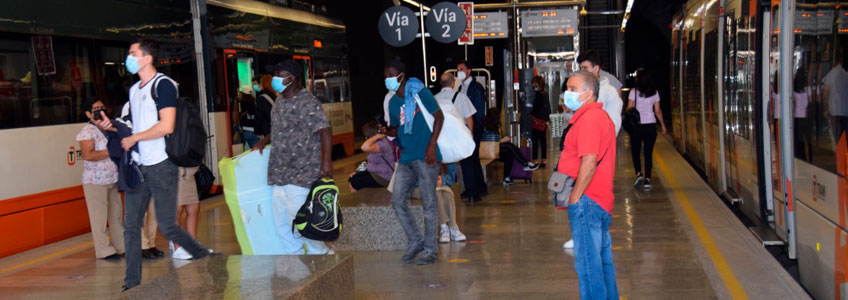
[[455, 141]]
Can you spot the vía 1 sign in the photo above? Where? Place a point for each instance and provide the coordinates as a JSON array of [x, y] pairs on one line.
[[398, 26]]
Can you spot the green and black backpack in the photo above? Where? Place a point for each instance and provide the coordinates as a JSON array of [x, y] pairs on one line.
[[320, 218]]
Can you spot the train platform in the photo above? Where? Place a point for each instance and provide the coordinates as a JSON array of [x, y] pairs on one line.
[[676, 241]]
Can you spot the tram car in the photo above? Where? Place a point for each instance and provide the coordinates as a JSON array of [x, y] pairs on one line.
[[726, 71], [54, 60]]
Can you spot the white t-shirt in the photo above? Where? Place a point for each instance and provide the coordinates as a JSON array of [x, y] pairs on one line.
[[837, 82], [145, 115], [645, 106], [608, 96], [802, 100], [461, 108], [611, 79]]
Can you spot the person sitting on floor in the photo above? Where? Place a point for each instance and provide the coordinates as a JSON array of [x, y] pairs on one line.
[[381, 160], [509, 152]]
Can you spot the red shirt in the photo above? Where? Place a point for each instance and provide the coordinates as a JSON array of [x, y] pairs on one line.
[[592, 132]]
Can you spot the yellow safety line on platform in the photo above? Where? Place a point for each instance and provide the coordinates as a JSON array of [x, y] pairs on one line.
[[46, 257], [724, 270]]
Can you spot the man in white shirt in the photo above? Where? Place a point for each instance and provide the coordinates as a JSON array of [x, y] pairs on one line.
[[455, 102], [836, 94], [591, 61], [612, 80], [153, 119]]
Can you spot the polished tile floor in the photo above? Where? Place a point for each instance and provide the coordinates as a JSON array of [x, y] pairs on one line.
[[514, 249]]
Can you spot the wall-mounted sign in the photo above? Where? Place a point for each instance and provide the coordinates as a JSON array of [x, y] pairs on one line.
[[42, 47], [557, 22], [467, 37], [445, 22], [398, 26], [493, 25]]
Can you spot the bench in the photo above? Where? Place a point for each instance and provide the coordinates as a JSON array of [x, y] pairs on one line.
[[254, 277]]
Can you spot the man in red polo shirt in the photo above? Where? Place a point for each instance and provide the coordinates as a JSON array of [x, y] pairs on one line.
[[589, 156]]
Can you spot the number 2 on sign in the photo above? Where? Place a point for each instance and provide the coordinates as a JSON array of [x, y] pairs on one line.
[[446, 27]]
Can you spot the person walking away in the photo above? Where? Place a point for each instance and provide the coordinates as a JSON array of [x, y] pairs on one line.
[[590, 61], [589, 157], [646, 99], [99, 183], [301, 149], [152, 121], [540, 113], [419, 158], [264, 103], [247, 116], [380, 163], [472, 170]]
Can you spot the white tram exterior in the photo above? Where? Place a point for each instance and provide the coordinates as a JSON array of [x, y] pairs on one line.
[[735, 64]]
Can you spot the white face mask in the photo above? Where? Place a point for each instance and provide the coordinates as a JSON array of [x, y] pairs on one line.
[[461, 75]]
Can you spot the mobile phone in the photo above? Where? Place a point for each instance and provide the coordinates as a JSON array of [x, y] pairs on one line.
[[97, 115]]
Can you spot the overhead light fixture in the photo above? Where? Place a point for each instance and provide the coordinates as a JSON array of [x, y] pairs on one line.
[[626, 15], [416, 4]]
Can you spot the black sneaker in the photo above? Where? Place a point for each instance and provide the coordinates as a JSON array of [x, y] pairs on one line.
[[411, 253], [531, 167], [157, 252], [428, 257], [148, 253], [112, 257], [507, 181], [647, 186]]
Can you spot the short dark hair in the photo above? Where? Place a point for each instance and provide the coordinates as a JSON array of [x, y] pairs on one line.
[[369, 129], [466, 63], [590, 55], [89, 103], [397, 65], [149, 47]]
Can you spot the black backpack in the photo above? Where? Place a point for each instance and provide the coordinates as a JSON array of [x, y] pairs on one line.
[[320, 217], [186, 146]]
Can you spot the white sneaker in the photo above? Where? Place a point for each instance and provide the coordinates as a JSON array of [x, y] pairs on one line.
[[639, 181], [569, 244], [456, 235], [171, 246], [181, 253], [445, 236]]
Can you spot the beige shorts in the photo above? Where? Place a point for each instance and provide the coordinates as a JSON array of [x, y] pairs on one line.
[[187, 188]]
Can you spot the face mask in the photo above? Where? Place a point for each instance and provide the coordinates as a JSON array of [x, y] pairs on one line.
[[571, 100], [277, 84], [460, 75], [392, 83], [132, 64], [257, 88]]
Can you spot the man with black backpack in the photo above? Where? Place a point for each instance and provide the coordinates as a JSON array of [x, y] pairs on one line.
[[155, 116]]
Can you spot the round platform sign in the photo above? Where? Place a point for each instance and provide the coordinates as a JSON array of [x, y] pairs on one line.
[[398, 26], [445, 22]]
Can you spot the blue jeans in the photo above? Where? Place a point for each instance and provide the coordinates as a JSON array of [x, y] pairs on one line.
[[406, 176], [250, 138], [159, 182], [592, 249]]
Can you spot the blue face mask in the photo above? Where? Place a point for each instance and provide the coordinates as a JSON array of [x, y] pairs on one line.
[[392, 83], [132, 64], [257, 88], [277, 84], [571, 100]]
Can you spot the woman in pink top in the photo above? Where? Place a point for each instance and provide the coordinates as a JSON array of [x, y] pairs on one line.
[[646, 99]]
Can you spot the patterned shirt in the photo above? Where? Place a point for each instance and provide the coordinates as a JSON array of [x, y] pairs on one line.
[[295, 142], [102, 171]]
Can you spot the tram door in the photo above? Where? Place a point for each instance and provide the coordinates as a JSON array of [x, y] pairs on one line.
[[731, 102], [238, 72]]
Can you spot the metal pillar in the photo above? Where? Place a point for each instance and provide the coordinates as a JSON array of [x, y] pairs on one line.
[[787, 25], [426, 78], [721, 110], [198, 15]]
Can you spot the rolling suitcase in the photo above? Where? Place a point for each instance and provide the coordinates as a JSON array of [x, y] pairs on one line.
[[518, 169]]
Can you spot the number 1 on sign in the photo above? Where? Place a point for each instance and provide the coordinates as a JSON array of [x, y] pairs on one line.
[[446, 27], [398, 31]]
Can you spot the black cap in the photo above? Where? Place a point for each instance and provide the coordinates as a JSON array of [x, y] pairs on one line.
[[287, 65]]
